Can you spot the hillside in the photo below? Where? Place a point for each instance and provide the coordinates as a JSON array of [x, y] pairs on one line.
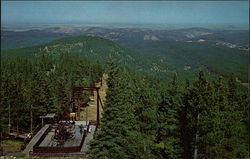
[[145, 113], [141, 112], [31, 36], [155, 57], [190, 57], [93, 48]]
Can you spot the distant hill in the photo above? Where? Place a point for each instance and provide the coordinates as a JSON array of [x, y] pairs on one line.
[[93, 48], [17, 39], [161, 57], [193, 56]]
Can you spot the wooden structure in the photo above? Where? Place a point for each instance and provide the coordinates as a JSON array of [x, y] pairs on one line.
[[40, 145], [77, 100], [48, 116], [19, 133], [43, 144], [71, 145]]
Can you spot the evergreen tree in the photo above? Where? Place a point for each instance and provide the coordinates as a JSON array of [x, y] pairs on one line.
[[39, 85], [168, 121], [198, 102]]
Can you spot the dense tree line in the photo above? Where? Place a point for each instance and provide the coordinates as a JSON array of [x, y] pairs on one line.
[[40, 85], [144, 116], [148, 117]]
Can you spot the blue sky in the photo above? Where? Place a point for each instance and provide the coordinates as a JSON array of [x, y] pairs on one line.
[[159, 12]]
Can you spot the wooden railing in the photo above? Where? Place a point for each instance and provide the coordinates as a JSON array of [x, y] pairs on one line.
[[19, 130], [46, 149], [37, 128]]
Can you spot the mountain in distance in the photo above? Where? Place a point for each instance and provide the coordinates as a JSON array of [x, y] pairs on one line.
[[164, 51], [228, 38], [162, 57], [93, 48], [195, 56]]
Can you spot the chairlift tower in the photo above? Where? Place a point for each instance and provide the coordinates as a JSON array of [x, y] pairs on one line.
[[78, 101]]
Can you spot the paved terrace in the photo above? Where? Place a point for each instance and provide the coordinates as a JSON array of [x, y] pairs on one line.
[[74, 141]]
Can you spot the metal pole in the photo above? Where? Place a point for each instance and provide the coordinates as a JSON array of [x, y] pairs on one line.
[[9, 117], [86, 115], [101, 81], [78, 110], [31, 119], [97, 115]]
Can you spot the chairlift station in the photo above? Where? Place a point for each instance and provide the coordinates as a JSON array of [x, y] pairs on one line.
[[68, 136]]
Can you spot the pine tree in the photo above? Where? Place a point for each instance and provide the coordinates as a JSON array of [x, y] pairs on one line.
[[120, 135], [235, 145], [108, 141], [40, 85], [198, 102], [168, 121]]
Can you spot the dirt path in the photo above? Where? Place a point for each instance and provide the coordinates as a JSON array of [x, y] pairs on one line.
[[89, 113]]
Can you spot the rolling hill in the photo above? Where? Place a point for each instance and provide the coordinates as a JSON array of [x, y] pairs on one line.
[[17, 39], [194, 56], [155, 57], [93, 48]]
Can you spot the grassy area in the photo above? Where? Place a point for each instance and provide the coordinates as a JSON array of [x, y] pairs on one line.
[[10, 146], [90, 111]]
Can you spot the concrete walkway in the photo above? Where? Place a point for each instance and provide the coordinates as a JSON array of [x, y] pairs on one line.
[[89, 136], [34, 140]]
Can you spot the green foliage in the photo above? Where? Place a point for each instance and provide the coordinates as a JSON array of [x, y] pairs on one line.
[[148, 117], [144, 116], [41, 85], [215, 120], [92, 48], [211, 58], [169, 120], [124, 133]]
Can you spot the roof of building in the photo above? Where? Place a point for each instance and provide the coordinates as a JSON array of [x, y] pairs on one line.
[[50, 115]]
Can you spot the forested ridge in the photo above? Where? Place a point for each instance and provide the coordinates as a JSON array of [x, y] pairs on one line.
[[92, 48], [145, 117]]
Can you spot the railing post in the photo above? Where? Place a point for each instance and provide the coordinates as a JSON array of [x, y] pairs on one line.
[[78, 111], [42, 122]]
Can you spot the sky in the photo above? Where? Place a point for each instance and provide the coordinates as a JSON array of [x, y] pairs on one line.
[[140, 12]]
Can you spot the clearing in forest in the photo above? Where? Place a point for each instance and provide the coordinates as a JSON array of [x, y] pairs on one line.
[[89, 113]]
